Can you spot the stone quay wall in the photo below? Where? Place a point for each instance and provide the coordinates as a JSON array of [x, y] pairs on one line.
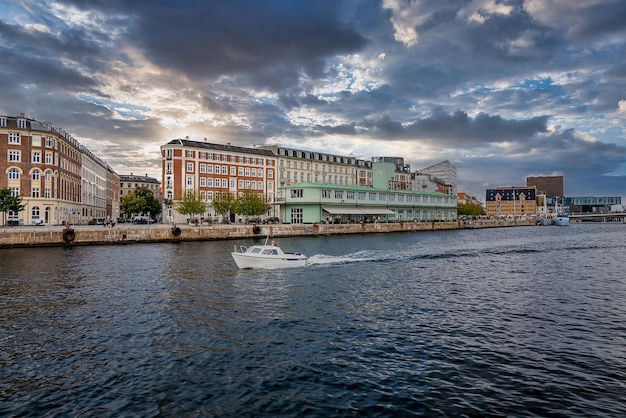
[[39, 236]]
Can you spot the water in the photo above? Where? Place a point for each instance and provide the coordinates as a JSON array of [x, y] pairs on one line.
[[527, 321]]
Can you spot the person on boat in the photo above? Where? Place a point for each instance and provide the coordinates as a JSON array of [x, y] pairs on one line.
[[273, 243]]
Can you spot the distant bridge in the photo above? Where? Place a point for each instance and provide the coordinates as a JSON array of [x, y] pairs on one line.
[[599, 217]]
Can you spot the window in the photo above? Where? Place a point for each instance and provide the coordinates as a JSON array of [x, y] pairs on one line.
[[240, 184], [338, 194], [350, 195], [297, 193], [189, 181], [240, 171], [35, 192], [225, 183], [14, 155], [296, 215], [48, 158], [203, 168], [14, 174], [382, 196], [209, 182], [190, 167], [247, 171], [361, 195], [48, 141], [270, 174], [3, 122], [36, 140], [202, 182], [48, 175], [224, 169], [247, 184], [209, 169], [21, 123], [36, 175], [168, 153], [392, 197], [232, 183], [217, 169], [46, 193], [15, 191], [232, 170], [14, 138], [209, 195], [325, 194], [36, 157], [189, 154]]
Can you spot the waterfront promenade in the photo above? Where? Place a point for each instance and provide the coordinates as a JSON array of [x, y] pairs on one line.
[[38, 236]]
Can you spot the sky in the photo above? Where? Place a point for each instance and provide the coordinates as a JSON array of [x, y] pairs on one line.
[[503, 89]]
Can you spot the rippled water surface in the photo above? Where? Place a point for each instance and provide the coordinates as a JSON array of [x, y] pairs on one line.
[[527, 321]]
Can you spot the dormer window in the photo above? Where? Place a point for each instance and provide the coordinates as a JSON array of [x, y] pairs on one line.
[[21, 123]]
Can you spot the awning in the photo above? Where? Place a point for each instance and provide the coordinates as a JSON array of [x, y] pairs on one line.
[[343, 210], [340, 210], [377, 211]]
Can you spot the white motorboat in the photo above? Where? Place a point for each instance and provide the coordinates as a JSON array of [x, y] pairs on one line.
[[266, 256]]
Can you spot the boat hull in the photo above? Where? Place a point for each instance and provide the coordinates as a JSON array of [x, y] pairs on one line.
[[561, 221], [247, 261]]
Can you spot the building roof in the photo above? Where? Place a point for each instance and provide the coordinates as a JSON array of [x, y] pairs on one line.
[[144, 179], [220, 147]]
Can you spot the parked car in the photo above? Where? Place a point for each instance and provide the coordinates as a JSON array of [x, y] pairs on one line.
[[271, 220], [96, 221], [254, 220], [142, 220]]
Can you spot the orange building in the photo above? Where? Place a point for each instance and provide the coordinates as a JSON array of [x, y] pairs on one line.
[[511, 201]]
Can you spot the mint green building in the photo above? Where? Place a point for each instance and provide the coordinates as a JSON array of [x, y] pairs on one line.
[[387, 200]]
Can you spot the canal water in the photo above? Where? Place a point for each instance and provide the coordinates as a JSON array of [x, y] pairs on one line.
[[526, 321]]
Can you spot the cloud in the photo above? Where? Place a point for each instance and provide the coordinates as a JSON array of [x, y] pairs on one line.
[[501, 88]]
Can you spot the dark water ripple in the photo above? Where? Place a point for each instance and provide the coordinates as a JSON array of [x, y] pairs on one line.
[[504, 322]]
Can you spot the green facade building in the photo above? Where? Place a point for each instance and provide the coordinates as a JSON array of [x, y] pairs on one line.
[[386, 201]]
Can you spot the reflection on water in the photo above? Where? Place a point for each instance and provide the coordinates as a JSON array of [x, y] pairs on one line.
[[511, 321]]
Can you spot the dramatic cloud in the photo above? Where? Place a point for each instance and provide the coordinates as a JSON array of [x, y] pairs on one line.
[[503, 88]]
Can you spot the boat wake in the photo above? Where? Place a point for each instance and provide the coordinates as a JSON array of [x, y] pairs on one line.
[[359, 256], [453, 253]]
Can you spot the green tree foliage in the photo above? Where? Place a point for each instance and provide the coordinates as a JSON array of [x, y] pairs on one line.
[[250, 203], [223, 203], [471, 209], [9, 203], [191, 204], [140, 201]]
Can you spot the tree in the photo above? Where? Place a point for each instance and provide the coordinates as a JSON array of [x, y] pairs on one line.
[[9, 203], [223, 203], [191, 204], [251, 203], [471, 209], [140, 201]]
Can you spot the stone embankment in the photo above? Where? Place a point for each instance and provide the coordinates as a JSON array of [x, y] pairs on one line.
[[40, 236]]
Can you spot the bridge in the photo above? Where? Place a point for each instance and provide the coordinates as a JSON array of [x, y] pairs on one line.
[[599, 217]]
